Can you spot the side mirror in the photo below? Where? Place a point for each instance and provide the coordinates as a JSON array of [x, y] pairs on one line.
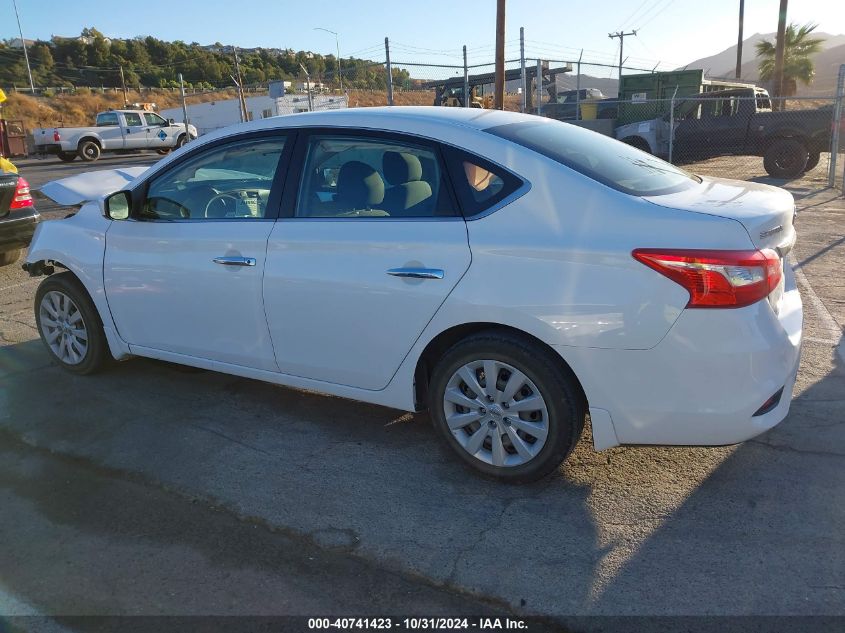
[[118, 205], [171, 121]]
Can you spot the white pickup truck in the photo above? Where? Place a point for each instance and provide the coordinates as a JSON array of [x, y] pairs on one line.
[[115, 130]]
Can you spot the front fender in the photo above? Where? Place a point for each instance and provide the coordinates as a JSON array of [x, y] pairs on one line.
[[78, 244]]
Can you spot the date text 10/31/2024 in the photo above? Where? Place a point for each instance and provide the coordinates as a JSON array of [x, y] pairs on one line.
[[418, 623]]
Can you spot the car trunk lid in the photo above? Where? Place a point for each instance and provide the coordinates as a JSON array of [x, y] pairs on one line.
[[766, 212]]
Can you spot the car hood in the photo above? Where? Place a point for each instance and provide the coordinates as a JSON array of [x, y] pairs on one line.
[[91, 185], [766, 212]]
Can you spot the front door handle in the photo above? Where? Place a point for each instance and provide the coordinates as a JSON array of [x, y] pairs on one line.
[[235, 261], [417, 273]]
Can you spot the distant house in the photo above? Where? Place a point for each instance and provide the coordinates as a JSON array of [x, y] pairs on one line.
[[85, 39], [18, 43]]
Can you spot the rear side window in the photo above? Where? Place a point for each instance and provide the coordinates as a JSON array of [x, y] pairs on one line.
[[599, 157], [107, 118], [132, 118], [479, 184]]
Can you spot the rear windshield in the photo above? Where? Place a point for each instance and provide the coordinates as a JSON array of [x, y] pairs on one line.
[[599, 157]]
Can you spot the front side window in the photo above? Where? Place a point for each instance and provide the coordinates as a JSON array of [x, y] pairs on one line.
[[132, 118], [107, 118], [154, 119], [347, 177], [231, 181], [598, 157]]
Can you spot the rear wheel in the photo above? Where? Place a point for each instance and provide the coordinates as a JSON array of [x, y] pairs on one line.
[[69, 325], [786, 158], [89, 151], [506, 406], [163, 151], [9, 257], [813, 160], [67, 157]]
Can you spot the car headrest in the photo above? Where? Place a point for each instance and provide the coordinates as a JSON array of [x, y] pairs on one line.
[[400, 167], [359, 186]]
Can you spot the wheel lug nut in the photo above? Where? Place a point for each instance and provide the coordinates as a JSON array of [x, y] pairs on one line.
[[507, 421], [482, 410], [505, 405], [489, 398]]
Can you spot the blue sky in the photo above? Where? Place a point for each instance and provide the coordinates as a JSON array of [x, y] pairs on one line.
[[673, 32]]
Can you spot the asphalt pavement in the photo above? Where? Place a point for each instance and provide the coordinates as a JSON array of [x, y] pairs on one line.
[[159, 490]]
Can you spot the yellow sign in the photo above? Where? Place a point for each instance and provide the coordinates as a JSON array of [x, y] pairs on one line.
[[2, 96]]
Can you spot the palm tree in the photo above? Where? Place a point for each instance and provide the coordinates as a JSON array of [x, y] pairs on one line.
[[798, 50]]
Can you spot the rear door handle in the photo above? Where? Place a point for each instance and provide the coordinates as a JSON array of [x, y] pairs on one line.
[[417, 273], [235, 261]]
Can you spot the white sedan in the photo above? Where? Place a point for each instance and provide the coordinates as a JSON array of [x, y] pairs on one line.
[[509, 273]]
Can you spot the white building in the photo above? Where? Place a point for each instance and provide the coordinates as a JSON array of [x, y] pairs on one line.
[[214, 115]]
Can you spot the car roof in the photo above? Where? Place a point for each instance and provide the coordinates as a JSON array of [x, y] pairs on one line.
[[394, 118]]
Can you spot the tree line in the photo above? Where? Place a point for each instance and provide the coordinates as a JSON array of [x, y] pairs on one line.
[[95, 60]]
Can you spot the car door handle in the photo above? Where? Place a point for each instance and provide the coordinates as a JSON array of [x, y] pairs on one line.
[[417, 273], [235, 261]]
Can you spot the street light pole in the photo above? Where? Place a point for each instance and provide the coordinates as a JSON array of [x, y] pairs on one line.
[[23, 43], [337, 47]]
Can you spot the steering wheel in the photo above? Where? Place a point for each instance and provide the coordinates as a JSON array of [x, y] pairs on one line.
[[221, 206]]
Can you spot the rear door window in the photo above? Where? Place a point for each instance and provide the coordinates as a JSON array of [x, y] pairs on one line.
[[132, 118]]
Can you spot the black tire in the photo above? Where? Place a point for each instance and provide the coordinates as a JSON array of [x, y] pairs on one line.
[[786, 158], [163, 150], [638, 142], [557, 386], [88, 151], [96, 355], [180, 141], [9, 257], [67, 157], [813, 161]]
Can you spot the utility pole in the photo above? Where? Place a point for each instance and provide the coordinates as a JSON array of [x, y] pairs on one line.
[[621, 35], [499, 85], [308, 87], [779, 45], [739, 40], [184, 109], [523, 83], [126, 95], [23, 43], [240, 83], [389, 72]]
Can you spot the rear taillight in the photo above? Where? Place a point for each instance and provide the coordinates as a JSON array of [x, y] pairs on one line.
[[717, 279], [22, 197], [56, 136]]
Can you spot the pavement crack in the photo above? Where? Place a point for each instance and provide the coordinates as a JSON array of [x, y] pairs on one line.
[[791, 449], [231, 439]]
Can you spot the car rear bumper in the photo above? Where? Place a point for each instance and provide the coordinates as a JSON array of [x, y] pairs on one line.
[[17, 228], [52, 148], [703, 383]]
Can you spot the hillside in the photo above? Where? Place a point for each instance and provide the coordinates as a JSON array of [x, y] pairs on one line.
[[827, 62]]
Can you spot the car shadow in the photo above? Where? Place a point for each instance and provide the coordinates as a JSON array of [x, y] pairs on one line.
[[763, 534]]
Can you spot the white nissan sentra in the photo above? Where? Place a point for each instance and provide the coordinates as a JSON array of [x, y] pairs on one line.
[[509, 273]]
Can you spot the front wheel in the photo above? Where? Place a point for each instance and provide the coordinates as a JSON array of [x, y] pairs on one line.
[[163, 151], [506, 406], [69, 325], [67, 157], [812, 161], [786, 158], [181, 141]]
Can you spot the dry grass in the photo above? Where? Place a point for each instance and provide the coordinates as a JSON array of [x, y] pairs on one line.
[[79, 109]]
